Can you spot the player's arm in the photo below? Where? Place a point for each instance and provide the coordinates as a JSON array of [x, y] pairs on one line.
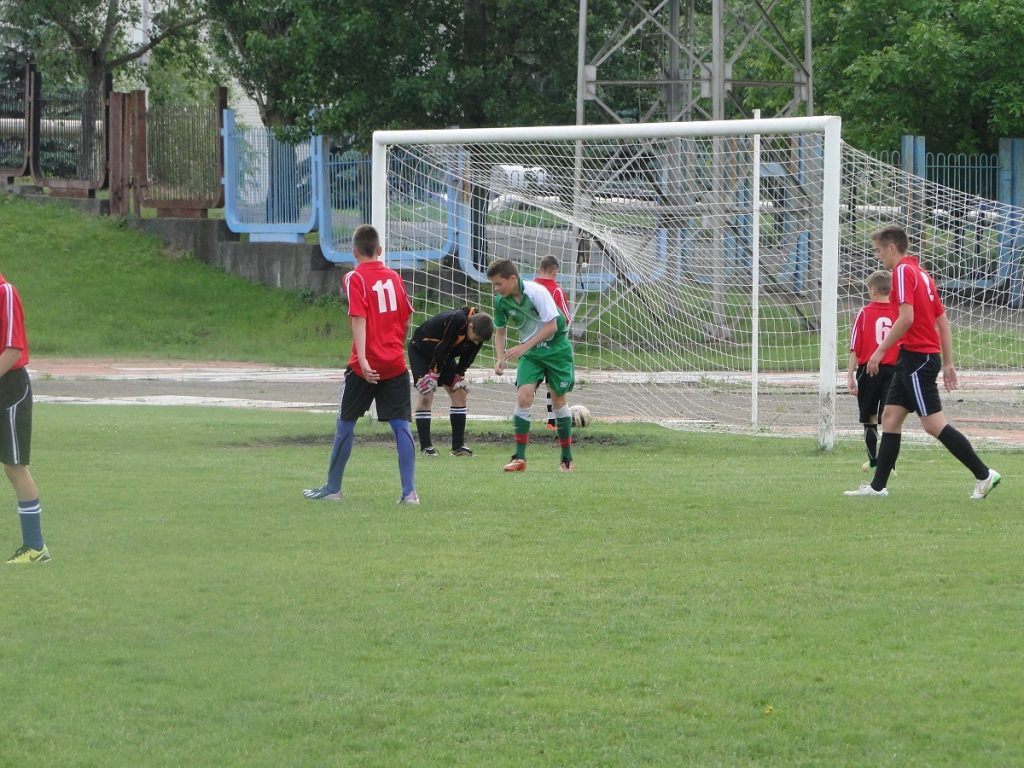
[[949, 377], [899, 327], [544, 334], [466, 358], [563, 306], [499, 350], [851, 373], [453, 328], [359, 339], [8, 358]]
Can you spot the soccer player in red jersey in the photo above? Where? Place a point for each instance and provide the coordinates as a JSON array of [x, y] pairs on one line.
[[547, 274], [16, 436], [379, 310], [873, 323], [925, 342]]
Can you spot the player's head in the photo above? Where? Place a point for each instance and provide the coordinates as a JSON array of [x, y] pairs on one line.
[[481, 328], [548, 266], [366, 242], [879, 283], [890, 245], [504, 277]]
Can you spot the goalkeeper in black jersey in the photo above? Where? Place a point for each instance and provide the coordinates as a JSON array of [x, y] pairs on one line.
[[440, 352]]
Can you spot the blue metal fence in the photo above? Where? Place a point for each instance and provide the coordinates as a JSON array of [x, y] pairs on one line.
[[270, 187]]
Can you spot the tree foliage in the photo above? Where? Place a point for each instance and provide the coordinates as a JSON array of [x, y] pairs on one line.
[[943, 69], [350, 67]]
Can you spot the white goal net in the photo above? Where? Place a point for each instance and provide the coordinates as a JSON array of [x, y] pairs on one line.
[[712, 268]]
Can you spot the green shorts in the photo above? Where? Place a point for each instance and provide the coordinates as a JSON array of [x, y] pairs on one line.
[[551, 363]]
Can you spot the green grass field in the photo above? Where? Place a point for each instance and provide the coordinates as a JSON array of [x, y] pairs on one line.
[[92, 287], [680, 600]]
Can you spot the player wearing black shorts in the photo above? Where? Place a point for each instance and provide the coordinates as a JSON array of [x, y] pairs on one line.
[[16, 435], [441, 350], [925, 341], [869, 329]]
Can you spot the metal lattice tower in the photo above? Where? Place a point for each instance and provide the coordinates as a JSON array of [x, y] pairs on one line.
[[692, 61]]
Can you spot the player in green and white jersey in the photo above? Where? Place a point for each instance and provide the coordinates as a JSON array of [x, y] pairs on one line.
[[543, 351]]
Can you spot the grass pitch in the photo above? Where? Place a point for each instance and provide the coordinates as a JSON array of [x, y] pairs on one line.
[[681, 599]]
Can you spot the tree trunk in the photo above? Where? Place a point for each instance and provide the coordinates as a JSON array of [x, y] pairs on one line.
[[91, 113]]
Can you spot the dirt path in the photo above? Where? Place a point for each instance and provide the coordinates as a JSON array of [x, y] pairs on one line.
[[252, 385]]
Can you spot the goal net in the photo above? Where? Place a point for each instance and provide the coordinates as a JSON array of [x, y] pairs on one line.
[[712, 268], [974, 248]]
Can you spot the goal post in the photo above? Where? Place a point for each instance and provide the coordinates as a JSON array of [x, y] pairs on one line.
[[700, 259]]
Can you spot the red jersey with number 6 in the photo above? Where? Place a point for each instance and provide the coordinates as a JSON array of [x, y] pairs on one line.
[[872, 325], [377, 293], [912, 285], [12, 323]]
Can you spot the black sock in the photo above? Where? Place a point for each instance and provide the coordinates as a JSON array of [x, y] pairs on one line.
[[457, 416], [423, 429], [961, 447], [888, 452], [871, 441]]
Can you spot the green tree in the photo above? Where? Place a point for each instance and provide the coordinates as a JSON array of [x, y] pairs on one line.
[[347, 67], [944, 69], [96, 35]]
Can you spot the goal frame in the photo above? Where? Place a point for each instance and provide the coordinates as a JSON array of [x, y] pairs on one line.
[[829, 126]]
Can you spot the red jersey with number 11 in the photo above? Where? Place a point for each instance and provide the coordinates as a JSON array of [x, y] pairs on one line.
[[912, 285], [377, 293]]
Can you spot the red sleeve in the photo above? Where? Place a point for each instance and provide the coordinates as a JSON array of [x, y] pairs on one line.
[[12, 324], [562, 303], [856, 332], [355, 290]]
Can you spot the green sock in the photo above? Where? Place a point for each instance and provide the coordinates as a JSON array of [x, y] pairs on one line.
[[565, 436], [522, 427]]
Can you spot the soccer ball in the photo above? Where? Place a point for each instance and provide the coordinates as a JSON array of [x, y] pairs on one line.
[[580, 415]]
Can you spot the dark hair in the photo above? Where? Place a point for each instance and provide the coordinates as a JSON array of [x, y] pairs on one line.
[[502, 268], [548, 263], [366, 241], [880, 280], [891, 235], [483, 326]]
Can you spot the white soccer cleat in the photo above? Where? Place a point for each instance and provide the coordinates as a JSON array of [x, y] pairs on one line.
[[867, 490], [982, 487], [412, 498], [322, 494]]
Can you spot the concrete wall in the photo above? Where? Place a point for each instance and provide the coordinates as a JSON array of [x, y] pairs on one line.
[[294, 267]]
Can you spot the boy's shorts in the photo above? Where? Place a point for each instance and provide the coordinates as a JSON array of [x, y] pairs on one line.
[[419, 362], [392, 396], [553, 364], [913, 385], [16, 409], [872, 391]]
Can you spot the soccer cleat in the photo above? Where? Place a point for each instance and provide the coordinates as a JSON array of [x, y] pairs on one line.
[[982, 487], [29, 556], [322, 494], [516, 465], [867, 490], [430, 451], [411, 498], [566, 465], [552, 426], [461, 451]]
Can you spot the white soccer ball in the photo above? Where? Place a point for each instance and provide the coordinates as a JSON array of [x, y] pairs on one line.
[[580, 416]]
